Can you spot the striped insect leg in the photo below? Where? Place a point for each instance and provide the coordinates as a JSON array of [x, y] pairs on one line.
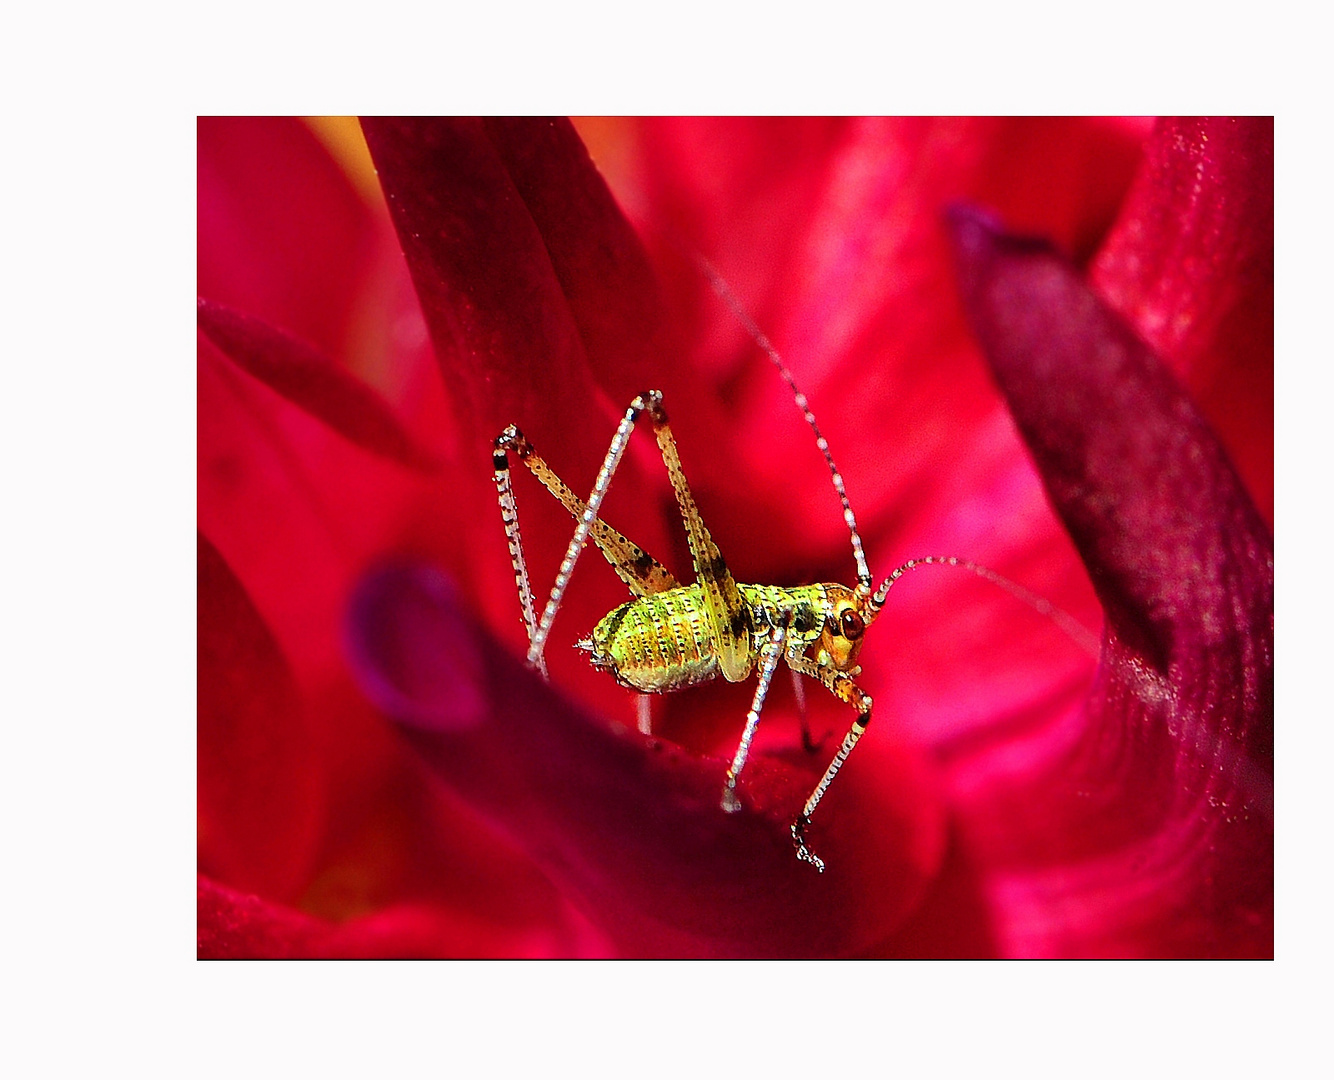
[[771, 652], [585, 527], [842, 687], [509, 515]]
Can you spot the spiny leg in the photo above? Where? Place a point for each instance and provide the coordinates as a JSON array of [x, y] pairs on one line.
[[729, 619], [509, 515], [512, 438], [843, 688], [642, 574], [771, 652]]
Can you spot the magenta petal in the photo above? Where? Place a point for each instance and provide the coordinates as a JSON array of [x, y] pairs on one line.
[[630, 826], [1154, 832], [313, 382]]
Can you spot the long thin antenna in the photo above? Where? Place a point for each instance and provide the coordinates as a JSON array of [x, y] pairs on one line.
[[1069, 625], [729, 298]]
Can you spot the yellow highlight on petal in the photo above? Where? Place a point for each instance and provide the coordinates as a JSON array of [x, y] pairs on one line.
[[341, 137]]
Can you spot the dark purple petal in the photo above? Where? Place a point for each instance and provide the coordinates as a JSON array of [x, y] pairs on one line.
[[313, 382], [630, 826], [1152, 832]]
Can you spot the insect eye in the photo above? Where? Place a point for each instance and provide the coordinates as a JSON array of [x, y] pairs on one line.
[[852, 625]]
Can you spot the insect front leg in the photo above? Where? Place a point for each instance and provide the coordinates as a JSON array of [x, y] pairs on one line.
[[843, 688]]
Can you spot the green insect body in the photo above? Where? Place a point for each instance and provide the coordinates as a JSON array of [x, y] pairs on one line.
[[671, 635], [656, 644]]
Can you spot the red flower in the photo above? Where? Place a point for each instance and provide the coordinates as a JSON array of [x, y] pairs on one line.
[[1011, 798]]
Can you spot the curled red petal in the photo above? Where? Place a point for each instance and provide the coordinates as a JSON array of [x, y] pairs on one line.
[[313, 382], [631, 827], [1196, 235], [1153, 830], [260, 791]]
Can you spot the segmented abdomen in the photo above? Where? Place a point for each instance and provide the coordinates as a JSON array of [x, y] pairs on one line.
[[657, 643]]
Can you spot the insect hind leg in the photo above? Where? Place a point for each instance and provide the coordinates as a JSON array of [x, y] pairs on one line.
[[512, 440]]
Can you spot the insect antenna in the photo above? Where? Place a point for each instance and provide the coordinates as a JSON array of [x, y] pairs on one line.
[[1068, 624], [729, 298]]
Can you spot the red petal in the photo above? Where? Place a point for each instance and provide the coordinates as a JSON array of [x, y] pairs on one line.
[[1152, 831], [281, 232], [233, 925], [1191, 265], [492, 301], [260, 790], [603, 271], [307, 379]]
